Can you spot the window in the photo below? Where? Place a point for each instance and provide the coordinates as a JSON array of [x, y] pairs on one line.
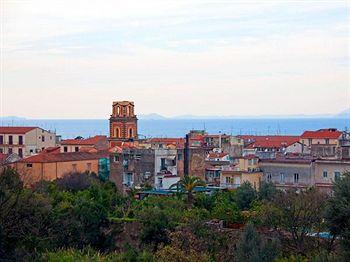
[[118, 110], [130, 132], [281, 177], [179, 157], [310, 141], [327, 141], [296, 178], [117, 132], [76, 149], [74, 167], [20, 140], [88, 166], [20, 152], [42, 138], [10, 150], [116, 158], [29, 165], [10, 140], [337, 175], [1, 150], [269, 177], [65, 149], [325, 174], [1, 140]]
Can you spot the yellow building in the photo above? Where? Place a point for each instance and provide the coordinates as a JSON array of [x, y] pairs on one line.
[[246, 170], [50, 166]]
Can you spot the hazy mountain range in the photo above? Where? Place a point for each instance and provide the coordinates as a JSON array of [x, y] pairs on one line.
[[154, 116]]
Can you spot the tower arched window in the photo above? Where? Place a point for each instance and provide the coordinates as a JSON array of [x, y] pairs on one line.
[[131, 133], [118, 110], [117, 132]]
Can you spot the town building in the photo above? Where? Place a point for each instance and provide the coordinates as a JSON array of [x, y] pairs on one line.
[[132, 167], [268, 147], [91, 144], [25, 141], [244, 169], [323, 142], [123, 122], [303, 172], [50, 166]]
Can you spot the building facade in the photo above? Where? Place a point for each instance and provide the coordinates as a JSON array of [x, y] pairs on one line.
[[25, 141], [50, 166], [123, 121]]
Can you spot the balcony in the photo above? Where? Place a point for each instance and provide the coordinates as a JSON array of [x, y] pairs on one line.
[[229, 186]]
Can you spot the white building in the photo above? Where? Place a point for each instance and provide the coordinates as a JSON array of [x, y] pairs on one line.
[[25, 141]]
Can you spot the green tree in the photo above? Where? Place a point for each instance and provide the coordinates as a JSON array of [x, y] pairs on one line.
[[267, 191], [295, 216], [338, 211], [245, 195], [252, 248], [188, 184]]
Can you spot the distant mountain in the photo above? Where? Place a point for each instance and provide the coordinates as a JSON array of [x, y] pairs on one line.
[[152, 116], [344, 114]]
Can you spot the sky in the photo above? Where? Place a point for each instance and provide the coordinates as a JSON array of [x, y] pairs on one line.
[[72, 58]]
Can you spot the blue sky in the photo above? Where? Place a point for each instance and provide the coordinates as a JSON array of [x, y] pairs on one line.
[[71, 59]]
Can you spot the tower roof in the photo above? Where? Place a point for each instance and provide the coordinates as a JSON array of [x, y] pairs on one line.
[[123, 103]]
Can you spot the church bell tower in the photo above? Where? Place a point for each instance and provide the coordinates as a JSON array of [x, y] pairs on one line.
[[123, 121]]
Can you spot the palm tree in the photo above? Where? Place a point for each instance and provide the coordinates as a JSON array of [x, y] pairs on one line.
[[188, 184]]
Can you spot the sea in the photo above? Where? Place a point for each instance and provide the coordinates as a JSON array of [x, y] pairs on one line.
[[71, 128]]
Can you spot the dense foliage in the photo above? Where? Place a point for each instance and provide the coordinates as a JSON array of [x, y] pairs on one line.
[[80, 218]]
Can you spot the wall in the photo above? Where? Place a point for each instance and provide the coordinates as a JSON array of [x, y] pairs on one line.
[[305, 171], [51, 171]]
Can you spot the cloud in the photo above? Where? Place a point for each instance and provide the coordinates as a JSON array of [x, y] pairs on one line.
[[212, 58]]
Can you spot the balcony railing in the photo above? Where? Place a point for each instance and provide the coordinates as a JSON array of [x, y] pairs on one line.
[[229, 186]]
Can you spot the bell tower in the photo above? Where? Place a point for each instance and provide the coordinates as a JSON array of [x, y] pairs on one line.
[[123, 121]]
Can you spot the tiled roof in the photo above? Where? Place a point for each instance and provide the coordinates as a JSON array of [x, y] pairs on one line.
[[55, 149], [217, 155], [322, 134], [270, 141], [88, 141], [123, 144], [15, 129], [64, 157]]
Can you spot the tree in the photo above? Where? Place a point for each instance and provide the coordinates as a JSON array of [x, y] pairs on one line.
[[267, 191], [245, 195], [338, 211], [188, 184], [295, 216], [252, 248]]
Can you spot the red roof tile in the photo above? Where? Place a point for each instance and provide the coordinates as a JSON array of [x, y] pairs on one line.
[[15, 129], [217, 155], [322, 134], [88, 141], [270, 141], [64, 157]]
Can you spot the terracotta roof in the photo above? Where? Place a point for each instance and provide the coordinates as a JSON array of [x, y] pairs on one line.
[[64, 157], [330, 133], [55, 149], [88, 141], [271, 141], [15, 129], [217, 155]]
